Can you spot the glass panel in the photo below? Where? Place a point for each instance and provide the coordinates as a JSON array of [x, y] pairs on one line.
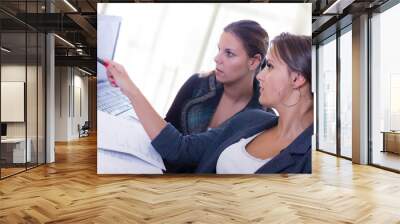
[[31, 85], [346, 94], [41, 98], [327, 97], [314, 90], [385, 85], [13, 85], [31, 98], [22, 63]]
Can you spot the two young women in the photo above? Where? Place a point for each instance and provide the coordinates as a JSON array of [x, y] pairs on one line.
[[253, 141]]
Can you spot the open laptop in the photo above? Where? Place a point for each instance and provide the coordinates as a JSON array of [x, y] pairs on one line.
[[110, 99]]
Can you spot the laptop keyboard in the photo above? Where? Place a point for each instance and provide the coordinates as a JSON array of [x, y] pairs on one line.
[[111, 100]]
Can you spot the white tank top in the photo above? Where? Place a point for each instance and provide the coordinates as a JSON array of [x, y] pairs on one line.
[[236, 160]]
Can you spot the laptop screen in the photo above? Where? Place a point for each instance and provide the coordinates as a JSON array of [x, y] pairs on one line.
[[107, 36]]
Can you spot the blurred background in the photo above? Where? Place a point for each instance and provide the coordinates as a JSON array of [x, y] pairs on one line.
[[178, 40]]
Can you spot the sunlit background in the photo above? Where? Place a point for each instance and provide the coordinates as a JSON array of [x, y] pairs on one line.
[[162, 45]]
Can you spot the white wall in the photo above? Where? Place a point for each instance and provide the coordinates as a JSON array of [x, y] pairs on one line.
[[82, 83], [70, 84], [61, 103]]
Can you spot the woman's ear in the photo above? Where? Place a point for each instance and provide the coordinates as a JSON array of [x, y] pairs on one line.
[[255, 61], [297, 79]]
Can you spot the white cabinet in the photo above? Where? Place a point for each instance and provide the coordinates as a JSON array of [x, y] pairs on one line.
[[18, 146]]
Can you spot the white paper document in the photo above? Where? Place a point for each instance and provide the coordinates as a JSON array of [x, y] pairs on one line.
[[112, 162], [125, 137]]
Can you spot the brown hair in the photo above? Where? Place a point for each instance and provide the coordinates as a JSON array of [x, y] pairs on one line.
[[295, 51], [254, 38]]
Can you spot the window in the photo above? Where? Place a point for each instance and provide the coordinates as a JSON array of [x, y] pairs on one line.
[[346, 94], [385, 89], [327, 96]]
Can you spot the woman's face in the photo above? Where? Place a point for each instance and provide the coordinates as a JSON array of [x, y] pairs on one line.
[[275, 88], [232, 61]]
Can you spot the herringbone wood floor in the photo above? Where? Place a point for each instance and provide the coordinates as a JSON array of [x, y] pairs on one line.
[[70, 191]]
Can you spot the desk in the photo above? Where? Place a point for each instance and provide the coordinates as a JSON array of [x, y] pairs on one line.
[[391, 141], [18, 149]]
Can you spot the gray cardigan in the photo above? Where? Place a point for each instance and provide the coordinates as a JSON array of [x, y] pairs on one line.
[[195, 104], [203, 150]]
